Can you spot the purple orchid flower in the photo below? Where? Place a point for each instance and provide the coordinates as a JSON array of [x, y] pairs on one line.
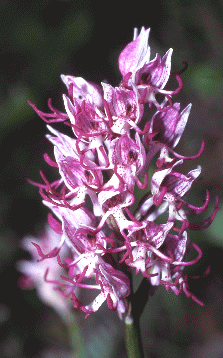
[[104, 205]]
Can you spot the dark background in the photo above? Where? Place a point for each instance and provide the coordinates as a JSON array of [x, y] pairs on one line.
[[39, 40]]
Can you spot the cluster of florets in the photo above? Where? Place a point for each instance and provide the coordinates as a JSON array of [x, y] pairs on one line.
[[116, 141]]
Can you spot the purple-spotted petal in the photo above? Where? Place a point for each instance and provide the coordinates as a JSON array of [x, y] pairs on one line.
[[74, 174], [116, 279], [156, 234], [170, 125], [176, 244], [86, 120], [125, 151], [82, 88], [178, 183], [135, 54], [159, 175], [123, 103], [156, 73]]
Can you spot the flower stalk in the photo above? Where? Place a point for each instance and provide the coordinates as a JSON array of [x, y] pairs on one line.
[[74, 335], [132, 338]]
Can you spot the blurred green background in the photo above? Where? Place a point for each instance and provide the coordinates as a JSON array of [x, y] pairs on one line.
[[39, 40]]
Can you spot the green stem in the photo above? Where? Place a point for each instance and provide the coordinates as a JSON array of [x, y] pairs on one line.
[[132, 327], [75, 339], [132, 338]]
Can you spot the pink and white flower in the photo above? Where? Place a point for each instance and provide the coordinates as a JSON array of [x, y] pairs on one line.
[[108, 232]]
